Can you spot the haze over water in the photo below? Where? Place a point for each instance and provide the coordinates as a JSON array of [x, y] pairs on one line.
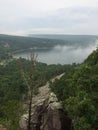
[[67, 54]]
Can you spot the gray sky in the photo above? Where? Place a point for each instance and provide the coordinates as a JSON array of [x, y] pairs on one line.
[[22, 17]]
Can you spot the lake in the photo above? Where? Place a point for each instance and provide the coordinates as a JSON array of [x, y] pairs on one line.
[[62, 54]]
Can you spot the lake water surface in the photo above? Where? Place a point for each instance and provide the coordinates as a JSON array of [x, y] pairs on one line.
[[62, 54]]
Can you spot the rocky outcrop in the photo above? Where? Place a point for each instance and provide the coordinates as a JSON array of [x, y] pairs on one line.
[[2, 127], [47, 113]]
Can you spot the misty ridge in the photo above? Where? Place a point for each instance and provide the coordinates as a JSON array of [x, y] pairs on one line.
[[86, 47]]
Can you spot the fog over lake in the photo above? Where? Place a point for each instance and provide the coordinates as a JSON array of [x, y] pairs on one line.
[[62, 54]]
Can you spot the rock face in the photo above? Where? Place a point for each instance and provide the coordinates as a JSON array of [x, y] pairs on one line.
[[2, 127], [47, 113]]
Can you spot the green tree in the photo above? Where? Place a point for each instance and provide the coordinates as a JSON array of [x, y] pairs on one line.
[[12, 111], [81, 110]]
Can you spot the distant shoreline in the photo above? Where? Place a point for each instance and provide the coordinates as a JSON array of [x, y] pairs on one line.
[[31, 49]]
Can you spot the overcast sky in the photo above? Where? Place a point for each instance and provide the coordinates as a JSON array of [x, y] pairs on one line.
[[23, 17]]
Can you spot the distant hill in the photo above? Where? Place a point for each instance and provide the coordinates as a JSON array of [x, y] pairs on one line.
[[12, 44], [66, 37], [21, 42]]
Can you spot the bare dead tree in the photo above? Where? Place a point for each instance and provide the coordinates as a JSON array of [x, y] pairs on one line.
[[31, 87], [29, 80]]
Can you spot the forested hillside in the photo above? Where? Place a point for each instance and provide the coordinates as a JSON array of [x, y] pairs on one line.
[[78, 89], [13, 44], [14, 90]]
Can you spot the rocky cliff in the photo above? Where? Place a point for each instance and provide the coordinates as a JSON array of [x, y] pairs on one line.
[[47, 112]]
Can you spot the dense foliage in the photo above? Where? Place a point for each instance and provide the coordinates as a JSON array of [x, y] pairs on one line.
[[78, 89], [13, 88]]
